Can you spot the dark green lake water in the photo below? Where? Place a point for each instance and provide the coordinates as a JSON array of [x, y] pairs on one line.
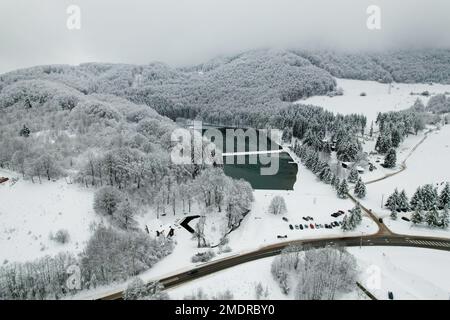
[[284, 179]]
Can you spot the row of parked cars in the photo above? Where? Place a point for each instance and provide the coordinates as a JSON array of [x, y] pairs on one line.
[[337, 214], [315, 225]]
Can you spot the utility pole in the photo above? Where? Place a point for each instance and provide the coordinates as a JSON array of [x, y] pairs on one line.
[[382, 200]]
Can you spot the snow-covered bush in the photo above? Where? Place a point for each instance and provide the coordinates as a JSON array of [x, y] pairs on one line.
[[203, 256], [138, 290], [61, 236]]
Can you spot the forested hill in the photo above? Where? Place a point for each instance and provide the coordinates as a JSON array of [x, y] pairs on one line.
[[242, 89]]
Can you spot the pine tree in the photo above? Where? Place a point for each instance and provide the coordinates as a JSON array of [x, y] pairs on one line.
[[444, 198], [432, 218], [417, 216], [416, 199], [360, 189], [395, 138], [393, 201], [403, 203], [444, 218], [343, 190], [391, 159], [371, 130], [353, 176], [337, 183], [394, 215], [429, 197], [345, 224], [356, 216]]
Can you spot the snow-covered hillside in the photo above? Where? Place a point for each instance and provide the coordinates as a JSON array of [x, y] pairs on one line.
[[379, 98], [30, 212]]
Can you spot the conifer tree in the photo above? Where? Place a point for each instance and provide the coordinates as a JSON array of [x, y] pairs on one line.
[[360, 189], [343, 190]]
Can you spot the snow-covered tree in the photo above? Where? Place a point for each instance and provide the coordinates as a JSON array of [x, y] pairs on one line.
[[107, 200], [444, 198], [432, 218], [444, 218], [124, 215], [342, 191], [353, 176], [390, 160], [417, 216], [360, 189], [277, 205], [138, 290]]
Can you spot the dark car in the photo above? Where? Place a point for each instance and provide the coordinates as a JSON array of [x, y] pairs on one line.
[[285, 219], [335, 215], [304, 218], [311, 226], [195, 271], [301, 227], [306, 226], [310, 218], [282, 237], [291, 227], [406, 219], [380, 220], [341, 212]]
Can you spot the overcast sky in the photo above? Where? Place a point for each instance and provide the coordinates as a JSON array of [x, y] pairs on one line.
[[181, 32]]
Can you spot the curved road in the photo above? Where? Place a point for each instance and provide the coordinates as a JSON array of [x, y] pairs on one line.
[[384, 237], [272, 250]]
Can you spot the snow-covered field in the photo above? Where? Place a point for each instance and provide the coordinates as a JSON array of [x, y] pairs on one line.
[[409, 273], [30, 212], [400, 271], [377, 99], [427, 164]]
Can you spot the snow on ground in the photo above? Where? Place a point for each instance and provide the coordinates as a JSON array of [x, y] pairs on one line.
[[400, 271], [29, 212], [403, 152], [377, 99], [409, 273], [427, 164]]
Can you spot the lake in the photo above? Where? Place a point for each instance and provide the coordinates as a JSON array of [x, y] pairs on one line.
[[285, 177]]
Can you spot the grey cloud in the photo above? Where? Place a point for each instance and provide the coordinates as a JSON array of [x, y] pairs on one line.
[[183, 32]]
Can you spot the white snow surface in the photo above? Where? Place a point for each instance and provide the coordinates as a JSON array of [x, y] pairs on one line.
[[30, 212], [399, 269], [377, 99]]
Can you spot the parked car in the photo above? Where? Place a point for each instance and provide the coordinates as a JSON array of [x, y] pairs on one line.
[[285, 219], [380, 220], [282, 237], [341, 212], [306, 226], [310, 218], [406, 219], [304, 218], [296, 226], [311, 226], [301, 227], [390, 295], [291, 227]]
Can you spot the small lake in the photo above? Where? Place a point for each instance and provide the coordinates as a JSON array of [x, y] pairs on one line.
[[285, 177]]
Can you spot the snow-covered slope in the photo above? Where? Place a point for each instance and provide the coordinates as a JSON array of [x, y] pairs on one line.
[[30, 212], [378, 97]]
